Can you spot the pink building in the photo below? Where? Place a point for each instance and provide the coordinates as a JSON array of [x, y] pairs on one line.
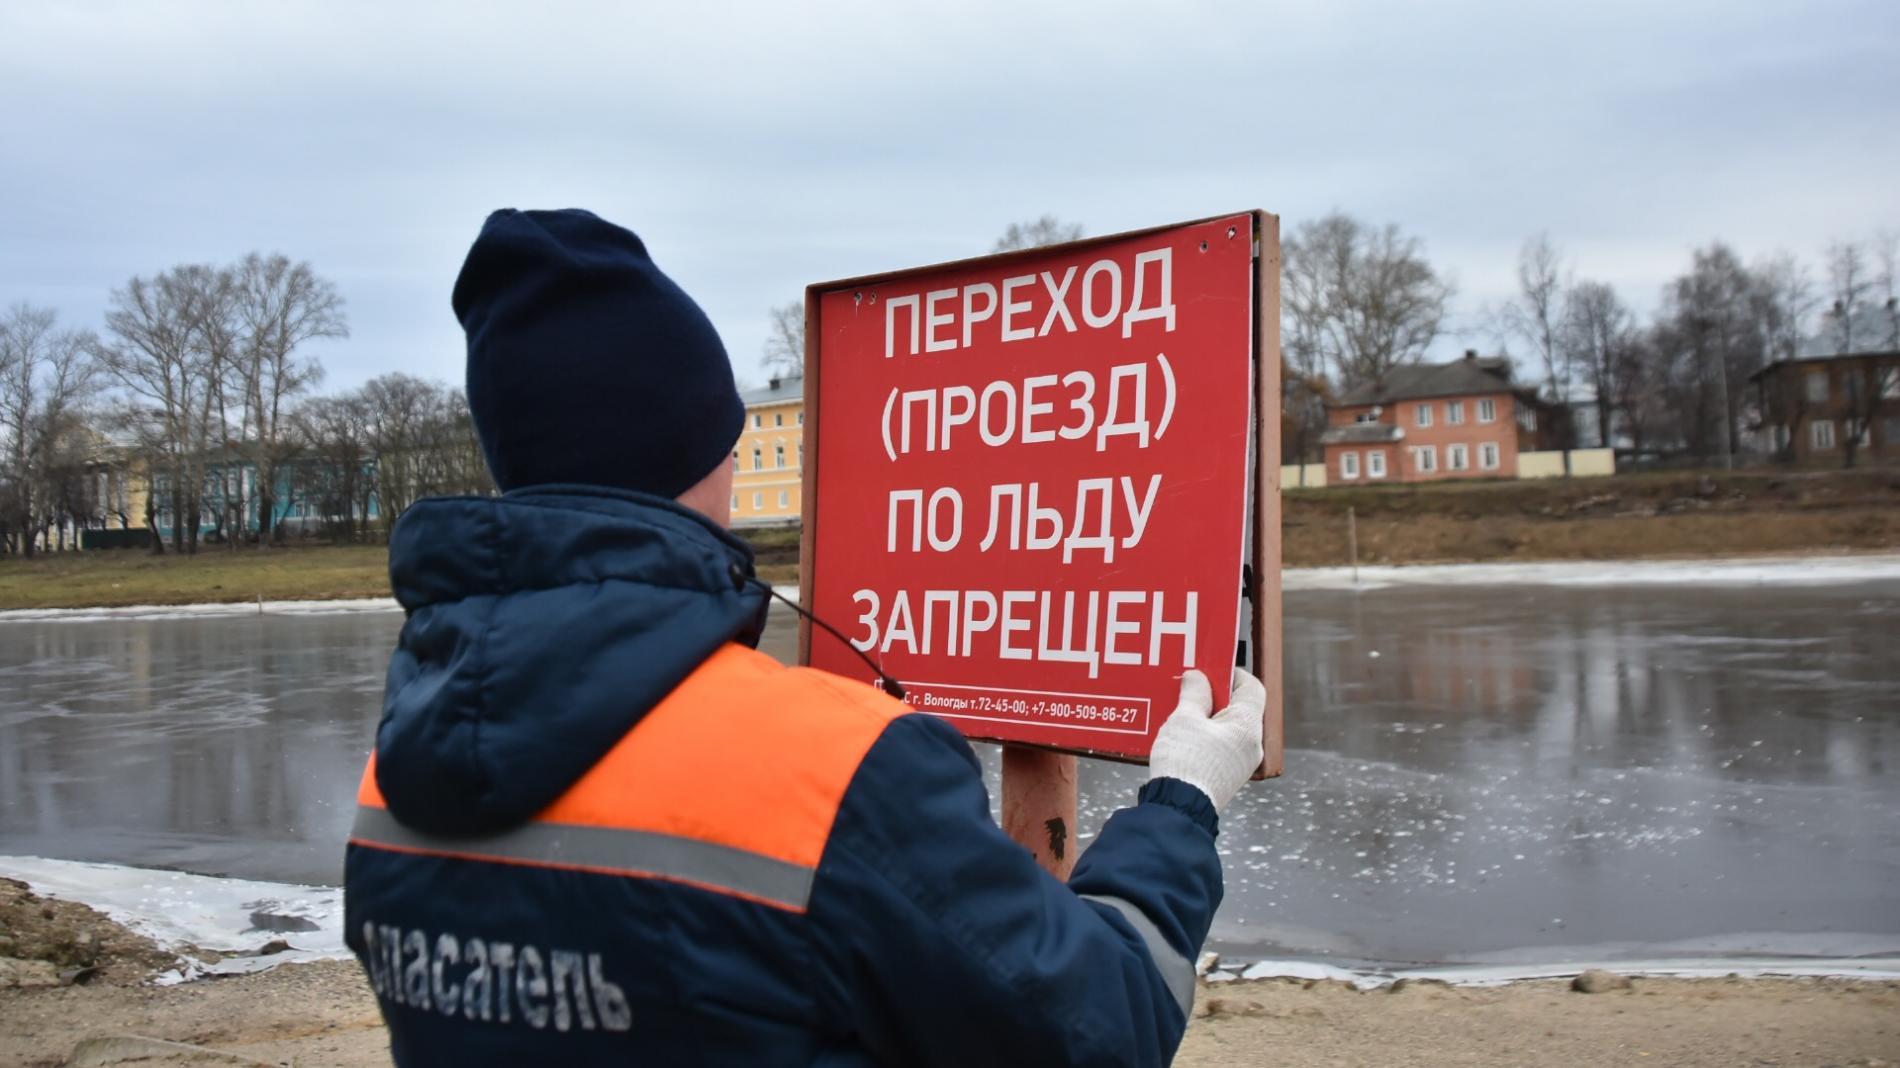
[[1423, 422]]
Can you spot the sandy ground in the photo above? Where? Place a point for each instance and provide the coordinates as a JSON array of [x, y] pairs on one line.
[[323, 1014], [69, 975]]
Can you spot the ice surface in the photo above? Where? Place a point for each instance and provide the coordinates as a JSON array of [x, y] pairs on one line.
[[1545, 766]]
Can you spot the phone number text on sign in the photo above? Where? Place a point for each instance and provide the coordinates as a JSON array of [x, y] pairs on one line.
[[1121, 715]]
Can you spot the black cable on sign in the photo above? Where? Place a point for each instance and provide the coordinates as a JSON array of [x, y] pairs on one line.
[[740, 580]]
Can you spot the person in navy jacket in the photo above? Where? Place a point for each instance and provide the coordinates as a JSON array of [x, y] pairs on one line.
[[599, 827]]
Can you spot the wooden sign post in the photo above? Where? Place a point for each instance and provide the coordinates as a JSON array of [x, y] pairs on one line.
[[1040, 485]]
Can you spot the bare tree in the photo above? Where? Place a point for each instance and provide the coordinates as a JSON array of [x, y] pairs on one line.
[[142, 453], [1848, 282], [46, 375], [785, 343], [1303, 400], [1887, 286], [1873, 380], [335, 470], [1036, 233], [1536, 314], [464, 468], [1781, 303], [1710, 345], [1600, 340], [1852, 326], [165, 346], [1650, 417], [220, 421], [403, 414], [1361, 299], [70, 484], [281, 306]]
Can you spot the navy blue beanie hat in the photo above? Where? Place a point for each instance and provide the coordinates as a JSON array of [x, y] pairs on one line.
[[586, 363]]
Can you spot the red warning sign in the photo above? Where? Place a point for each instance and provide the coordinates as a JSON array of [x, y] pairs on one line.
[[1032, 479]]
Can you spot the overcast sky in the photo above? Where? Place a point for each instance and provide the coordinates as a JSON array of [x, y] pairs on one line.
[[761, 147]]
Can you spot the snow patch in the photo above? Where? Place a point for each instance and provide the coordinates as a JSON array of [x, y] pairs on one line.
[[1869, 968], [1754, 571], [184, 913], [200, 611], [1297, 969]]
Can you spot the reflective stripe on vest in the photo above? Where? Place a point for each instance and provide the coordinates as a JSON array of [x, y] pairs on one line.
[[1176, 971], [607, 851], [731, 783]]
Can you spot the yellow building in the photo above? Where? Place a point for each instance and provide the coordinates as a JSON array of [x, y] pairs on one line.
[[769, 460]]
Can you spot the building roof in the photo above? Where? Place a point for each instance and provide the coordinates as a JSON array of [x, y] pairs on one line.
[[1873, 330], [777, 391], [1874, 334], [1362, 434], [1416, 381]]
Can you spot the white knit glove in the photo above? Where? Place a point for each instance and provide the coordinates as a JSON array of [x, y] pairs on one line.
[[1217, 754]]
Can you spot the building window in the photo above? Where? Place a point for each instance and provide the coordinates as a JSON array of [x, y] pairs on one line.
[[1526, 418], [758, 458], [784, 498], [801, 454], [1487, 411], [757, 420], [1889, 382], [1348, 465], [801, 418], [735, 502], [758, 502], [735, 464], [1458, 457], [1425, 458], [1455, 412], [1375, 463], [1817, 387], [1424, 415], [781, 455], [1890, 431], [778, 418], [1488, 455], [1370, 415], [1821, 433]]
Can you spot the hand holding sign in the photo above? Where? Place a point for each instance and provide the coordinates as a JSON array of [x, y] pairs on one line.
[[1216, 754]]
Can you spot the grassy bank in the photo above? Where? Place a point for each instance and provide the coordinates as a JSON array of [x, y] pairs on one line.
[[1626, 517], [1623, 517], [130, 576]]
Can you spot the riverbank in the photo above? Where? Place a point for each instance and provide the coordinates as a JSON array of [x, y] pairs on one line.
[[72, 978], [1627, 517], [324, 1014]]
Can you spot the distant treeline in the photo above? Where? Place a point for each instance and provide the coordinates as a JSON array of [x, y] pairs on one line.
[[199, 398], [1359, 300]]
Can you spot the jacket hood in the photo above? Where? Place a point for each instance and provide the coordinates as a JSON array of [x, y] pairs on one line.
[[542, 626]]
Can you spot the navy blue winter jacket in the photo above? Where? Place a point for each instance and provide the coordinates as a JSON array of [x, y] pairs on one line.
[[599, 828]]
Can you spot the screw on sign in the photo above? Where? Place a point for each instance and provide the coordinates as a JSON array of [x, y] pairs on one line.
[[1033, 486]]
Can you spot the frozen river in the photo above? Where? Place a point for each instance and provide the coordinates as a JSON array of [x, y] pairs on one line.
[[1477, 772]]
